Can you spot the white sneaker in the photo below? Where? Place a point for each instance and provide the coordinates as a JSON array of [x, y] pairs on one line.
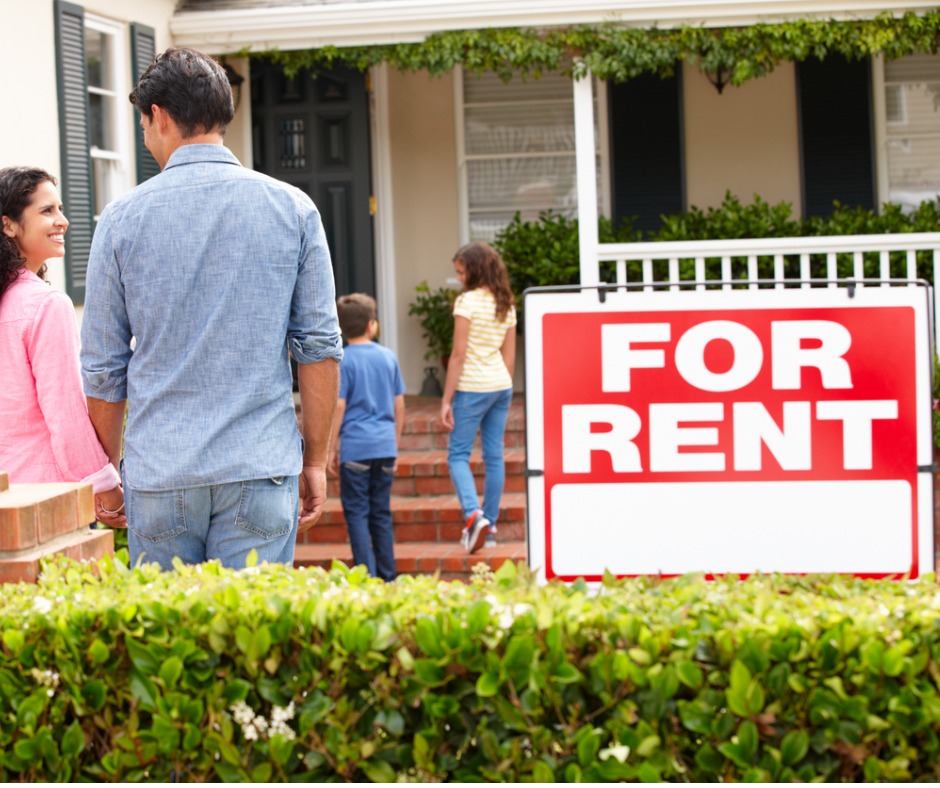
[[473, 535]]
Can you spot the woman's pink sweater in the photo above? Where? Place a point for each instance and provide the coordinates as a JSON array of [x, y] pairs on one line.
[[45, 432]]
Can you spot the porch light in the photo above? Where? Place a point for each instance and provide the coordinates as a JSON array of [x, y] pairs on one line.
[[718, 78], [235, 80]]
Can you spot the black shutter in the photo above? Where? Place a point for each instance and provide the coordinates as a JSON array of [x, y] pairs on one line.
[[834, 100], [646, 151], [143, 49], [76, 179]]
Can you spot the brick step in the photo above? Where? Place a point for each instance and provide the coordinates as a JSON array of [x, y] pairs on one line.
[[426, 473], [450, 560], [423, 430], [434, 518]]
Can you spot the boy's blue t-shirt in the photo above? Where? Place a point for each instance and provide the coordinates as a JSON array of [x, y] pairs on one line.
[[370, 379]]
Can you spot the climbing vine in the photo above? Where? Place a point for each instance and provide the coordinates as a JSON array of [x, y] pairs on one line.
[[617, 53]]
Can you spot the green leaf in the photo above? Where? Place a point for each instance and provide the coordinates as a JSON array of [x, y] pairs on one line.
[[94, 693], [236, 689], [143, 689], [142, 656], [794, 747], [542, 773], [690, 674], [588, 747], [429, 672], [487, 685], [98, 652], [13, 639], [379, 771], [73, 742], [171, 670], [428, 636]]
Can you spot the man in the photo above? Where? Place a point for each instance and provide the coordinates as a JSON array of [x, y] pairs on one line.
[[199, 283]]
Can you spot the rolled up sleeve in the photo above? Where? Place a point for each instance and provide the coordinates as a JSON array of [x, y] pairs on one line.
[[106, 334], [313, 333]]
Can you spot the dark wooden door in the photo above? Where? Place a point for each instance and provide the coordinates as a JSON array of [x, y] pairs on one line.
[[313, 132]]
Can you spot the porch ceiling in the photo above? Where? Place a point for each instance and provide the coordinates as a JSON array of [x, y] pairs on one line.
[[224, 26]]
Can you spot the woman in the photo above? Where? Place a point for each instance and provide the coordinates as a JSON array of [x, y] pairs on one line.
[[478, 387], [45, 432]]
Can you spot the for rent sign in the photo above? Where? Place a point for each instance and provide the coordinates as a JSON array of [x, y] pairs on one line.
[[729, 432]]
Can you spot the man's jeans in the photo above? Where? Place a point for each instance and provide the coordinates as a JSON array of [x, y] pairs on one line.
[[486, 411], [365, 489], [223, 521]]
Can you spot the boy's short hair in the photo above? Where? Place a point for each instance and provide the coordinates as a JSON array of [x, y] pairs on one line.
[[355, 311]]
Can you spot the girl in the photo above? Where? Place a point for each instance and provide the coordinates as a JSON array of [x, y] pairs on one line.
[[478, 387], [45, 432]]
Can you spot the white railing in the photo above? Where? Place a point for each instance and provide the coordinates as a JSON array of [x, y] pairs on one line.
[[815, 261]]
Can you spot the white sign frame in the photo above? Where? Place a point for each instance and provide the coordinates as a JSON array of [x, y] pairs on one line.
[[870, 513]]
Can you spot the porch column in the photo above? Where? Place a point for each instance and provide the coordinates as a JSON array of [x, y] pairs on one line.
[[586, 162]]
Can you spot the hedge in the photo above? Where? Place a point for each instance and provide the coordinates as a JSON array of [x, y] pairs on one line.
[[271, 674]]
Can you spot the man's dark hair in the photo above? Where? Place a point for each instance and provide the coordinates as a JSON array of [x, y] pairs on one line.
[[355, 311], [191, 87]]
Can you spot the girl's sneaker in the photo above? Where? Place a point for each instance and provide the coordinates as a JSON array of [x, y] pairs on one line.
[[490, 540], [474, 532]]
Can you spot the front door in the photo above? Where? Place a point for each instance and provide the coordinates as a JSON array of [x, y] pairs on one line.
[[313, 132]]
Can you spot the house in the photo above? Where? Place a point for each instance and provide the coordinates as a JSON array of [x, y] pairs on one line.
[[406, 165]]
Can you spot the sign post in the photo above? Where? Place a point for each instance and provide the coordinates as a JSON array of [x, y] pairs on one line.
[[729, 432]]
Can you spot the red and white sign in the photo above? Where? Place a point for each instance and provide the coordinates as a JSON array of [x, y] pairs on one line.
[[729, 432]]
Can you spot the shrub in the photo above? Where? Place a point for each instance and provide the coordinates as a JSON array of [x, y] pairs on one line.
[[274, 674], [546, 252], [435, 312]]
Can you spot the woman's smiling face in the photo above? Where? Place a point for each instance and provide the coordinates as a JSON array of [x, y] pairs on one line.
[[40, 232]]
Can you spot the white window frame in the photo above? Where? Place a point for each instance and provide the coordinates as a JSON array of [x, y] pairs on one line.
[[120, 175], [463, 185]]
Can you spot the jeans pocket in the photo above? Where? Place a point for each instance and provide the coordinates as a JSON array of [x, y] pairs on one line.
[[356, 467], [388, 470], [156, 516], [267, 507]]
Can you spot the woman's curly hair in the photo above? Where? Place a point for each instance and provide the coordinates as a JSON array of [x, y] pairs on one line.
[[17, 186]]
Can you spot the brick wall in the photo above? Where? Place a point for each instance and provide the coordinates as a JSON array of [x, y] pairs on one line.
[[41, 520]]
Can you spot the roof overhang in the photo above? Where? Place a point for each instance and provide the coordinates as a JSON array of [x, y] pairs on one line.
[[374, 22]]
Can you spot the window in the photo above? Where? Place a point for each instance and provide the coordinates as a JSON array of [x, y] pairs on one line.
[[910, 172], [517, 150], [94, 70], [107, 73]]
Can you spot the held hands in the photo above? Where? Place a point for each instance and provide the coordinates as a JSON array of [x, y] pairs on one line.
[[109, 508], [312, 484]]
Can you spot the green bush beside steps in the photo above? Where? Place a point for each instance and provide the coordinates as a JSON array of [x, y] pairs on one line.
[[270, 674]]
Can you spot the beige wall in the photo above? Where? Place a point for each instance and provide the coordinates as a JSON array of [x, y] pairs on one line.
[[424, 190], [744, 140]]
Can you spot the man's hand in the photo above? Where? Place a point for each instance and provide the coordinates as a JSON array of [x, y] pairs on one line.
[[109, 508], [312, 484]]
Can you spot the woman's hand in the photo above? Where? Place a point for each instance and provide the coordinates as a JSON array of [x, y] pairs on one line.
[[109, 508]]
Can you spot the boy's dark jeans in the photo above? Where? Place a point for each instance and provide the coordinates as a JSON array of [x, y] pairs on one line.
[[365, 489]]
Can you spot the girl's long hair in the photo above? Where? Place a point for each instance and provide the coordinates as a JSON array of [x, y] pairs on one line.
[[485, 268], [17, 186]]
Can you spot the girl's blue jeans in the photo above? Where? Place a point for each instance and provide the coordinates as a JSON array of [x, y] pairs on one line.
[[486, 412]]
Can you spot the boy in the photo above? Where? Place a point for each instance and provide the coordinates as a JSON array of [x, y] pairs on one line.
[[370, 415]]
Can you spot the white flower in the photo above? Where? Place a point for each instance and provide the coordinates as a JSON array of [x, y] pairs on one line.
[[42, 605], [619, 751]]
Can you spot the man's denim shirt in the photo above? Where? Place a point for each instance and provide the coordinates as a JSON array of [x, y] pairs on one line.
[[215, 271]]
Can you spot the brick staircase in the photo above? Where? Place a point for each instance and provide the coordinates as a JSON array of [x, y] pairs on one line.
[[425, 512]]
